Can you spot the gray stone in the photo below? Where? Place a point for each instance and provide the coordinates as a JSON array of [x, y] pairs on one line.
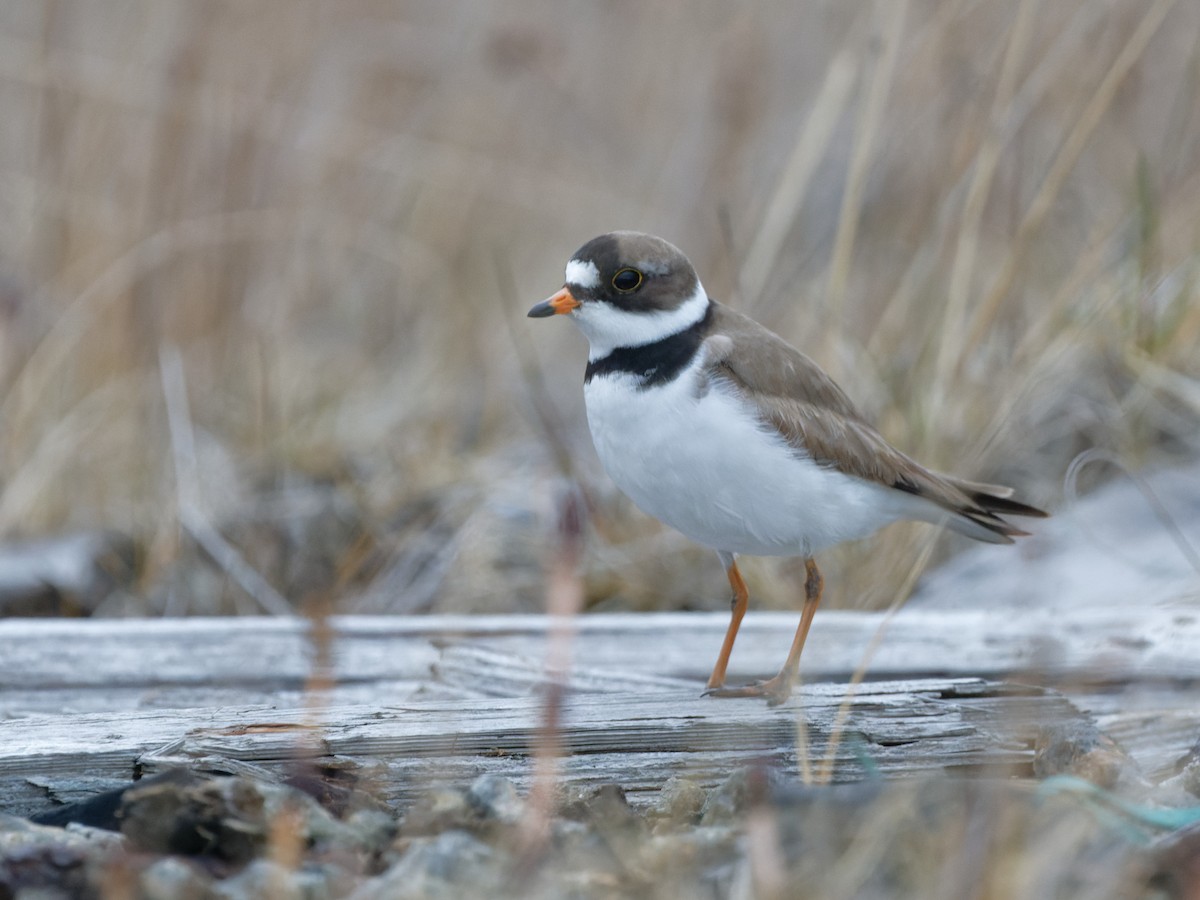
[[1082, 750], [437, 810], [727, 802], [261, 878], [604, 805], [680, 801], [173, 878], [495, 798], [451, 865]]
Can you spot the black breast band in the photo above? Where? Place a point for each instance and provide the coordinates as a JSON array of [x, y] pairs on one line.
[[653, 363]]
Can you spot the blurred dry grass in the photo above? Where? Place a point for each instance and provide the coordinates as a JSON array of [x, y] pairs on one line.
[[981, 217]]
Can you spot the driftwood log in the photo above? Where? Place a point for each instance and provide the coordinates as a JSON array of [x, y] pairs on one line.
[[90, 704]]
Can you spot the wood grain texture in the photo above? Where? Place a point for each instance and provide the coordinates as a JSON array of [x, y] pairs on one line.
[[415, 700]]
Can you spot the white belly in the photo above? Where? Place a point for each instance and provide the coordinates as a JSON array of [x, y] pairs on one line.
[[706, 467]]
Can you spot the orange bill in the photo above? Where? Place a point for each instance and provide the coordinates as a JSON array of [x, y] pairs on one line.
[[558, 305]]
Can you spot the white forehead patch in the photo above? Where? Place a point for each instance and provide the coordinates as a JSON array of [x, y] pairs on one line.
[[583, 273]]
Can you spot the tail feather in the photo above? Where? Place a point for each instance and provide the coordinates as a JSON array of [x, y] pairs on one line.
[[977, 510], [993, 504], [983, 527], [985, 522], [979, 487]]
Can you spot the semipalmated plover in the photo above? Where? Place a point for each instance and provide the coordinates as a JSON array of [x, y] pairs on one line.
[[724, 431]]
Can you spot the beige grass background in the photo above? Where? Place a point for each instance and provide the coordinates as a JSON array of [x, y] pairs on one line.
[[980, 217]]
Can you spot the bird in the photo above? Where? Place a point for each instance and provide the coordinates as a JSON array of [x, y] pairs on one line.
[[719, 428]]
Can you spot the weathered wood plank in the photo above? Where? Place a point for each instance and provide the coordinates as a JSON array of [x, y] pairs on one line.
[[448, 697], [636, 738], [276, 654]]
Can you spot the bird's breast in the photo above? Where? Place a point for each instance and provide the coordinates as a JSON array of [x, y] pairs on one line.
[[698, 458]]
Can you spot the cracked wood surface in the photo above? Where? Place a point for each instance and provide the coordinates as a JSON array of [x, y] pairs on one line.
[[91, 702]]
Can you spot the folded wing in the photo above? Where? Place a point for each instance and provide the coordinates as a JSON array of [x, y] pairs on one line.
[[814, 416]]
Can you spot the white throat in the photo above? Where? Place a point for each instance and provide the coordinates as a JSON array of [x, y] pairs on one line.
[[608, 328]]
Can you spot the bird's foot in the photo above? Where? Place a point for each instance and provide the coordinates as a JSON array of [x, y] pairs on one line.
[[775, 690]]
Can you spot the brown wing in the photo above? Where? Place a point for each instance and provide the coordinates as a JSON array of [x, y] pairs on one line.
[[767, 364], [796, 398]]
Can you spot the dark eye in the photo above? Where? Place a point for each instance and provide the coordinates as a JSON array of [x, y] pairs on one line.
[[627, 280]]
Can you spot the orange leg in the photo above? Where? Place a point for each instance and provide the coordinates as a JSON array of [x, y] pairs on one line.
[[779, 688], [739, 603]]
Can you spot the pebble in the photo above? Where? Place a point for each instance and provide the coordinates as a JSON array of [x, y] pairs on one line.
[[680, 802], [727, 802], [604, 805], [1082, 750], [47, 861], [174, 878], [452, 865], [495, 798], [191, 815], [260, 878], [1189, 771], [436, 810]]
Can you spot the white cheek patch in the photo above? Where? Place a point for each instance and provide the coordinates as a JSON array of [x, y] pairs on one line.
[[583, 273], [607, 328]]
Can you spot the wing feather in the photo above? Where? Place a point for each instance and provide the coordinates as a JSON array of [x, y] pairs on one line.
[[792, 395]]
